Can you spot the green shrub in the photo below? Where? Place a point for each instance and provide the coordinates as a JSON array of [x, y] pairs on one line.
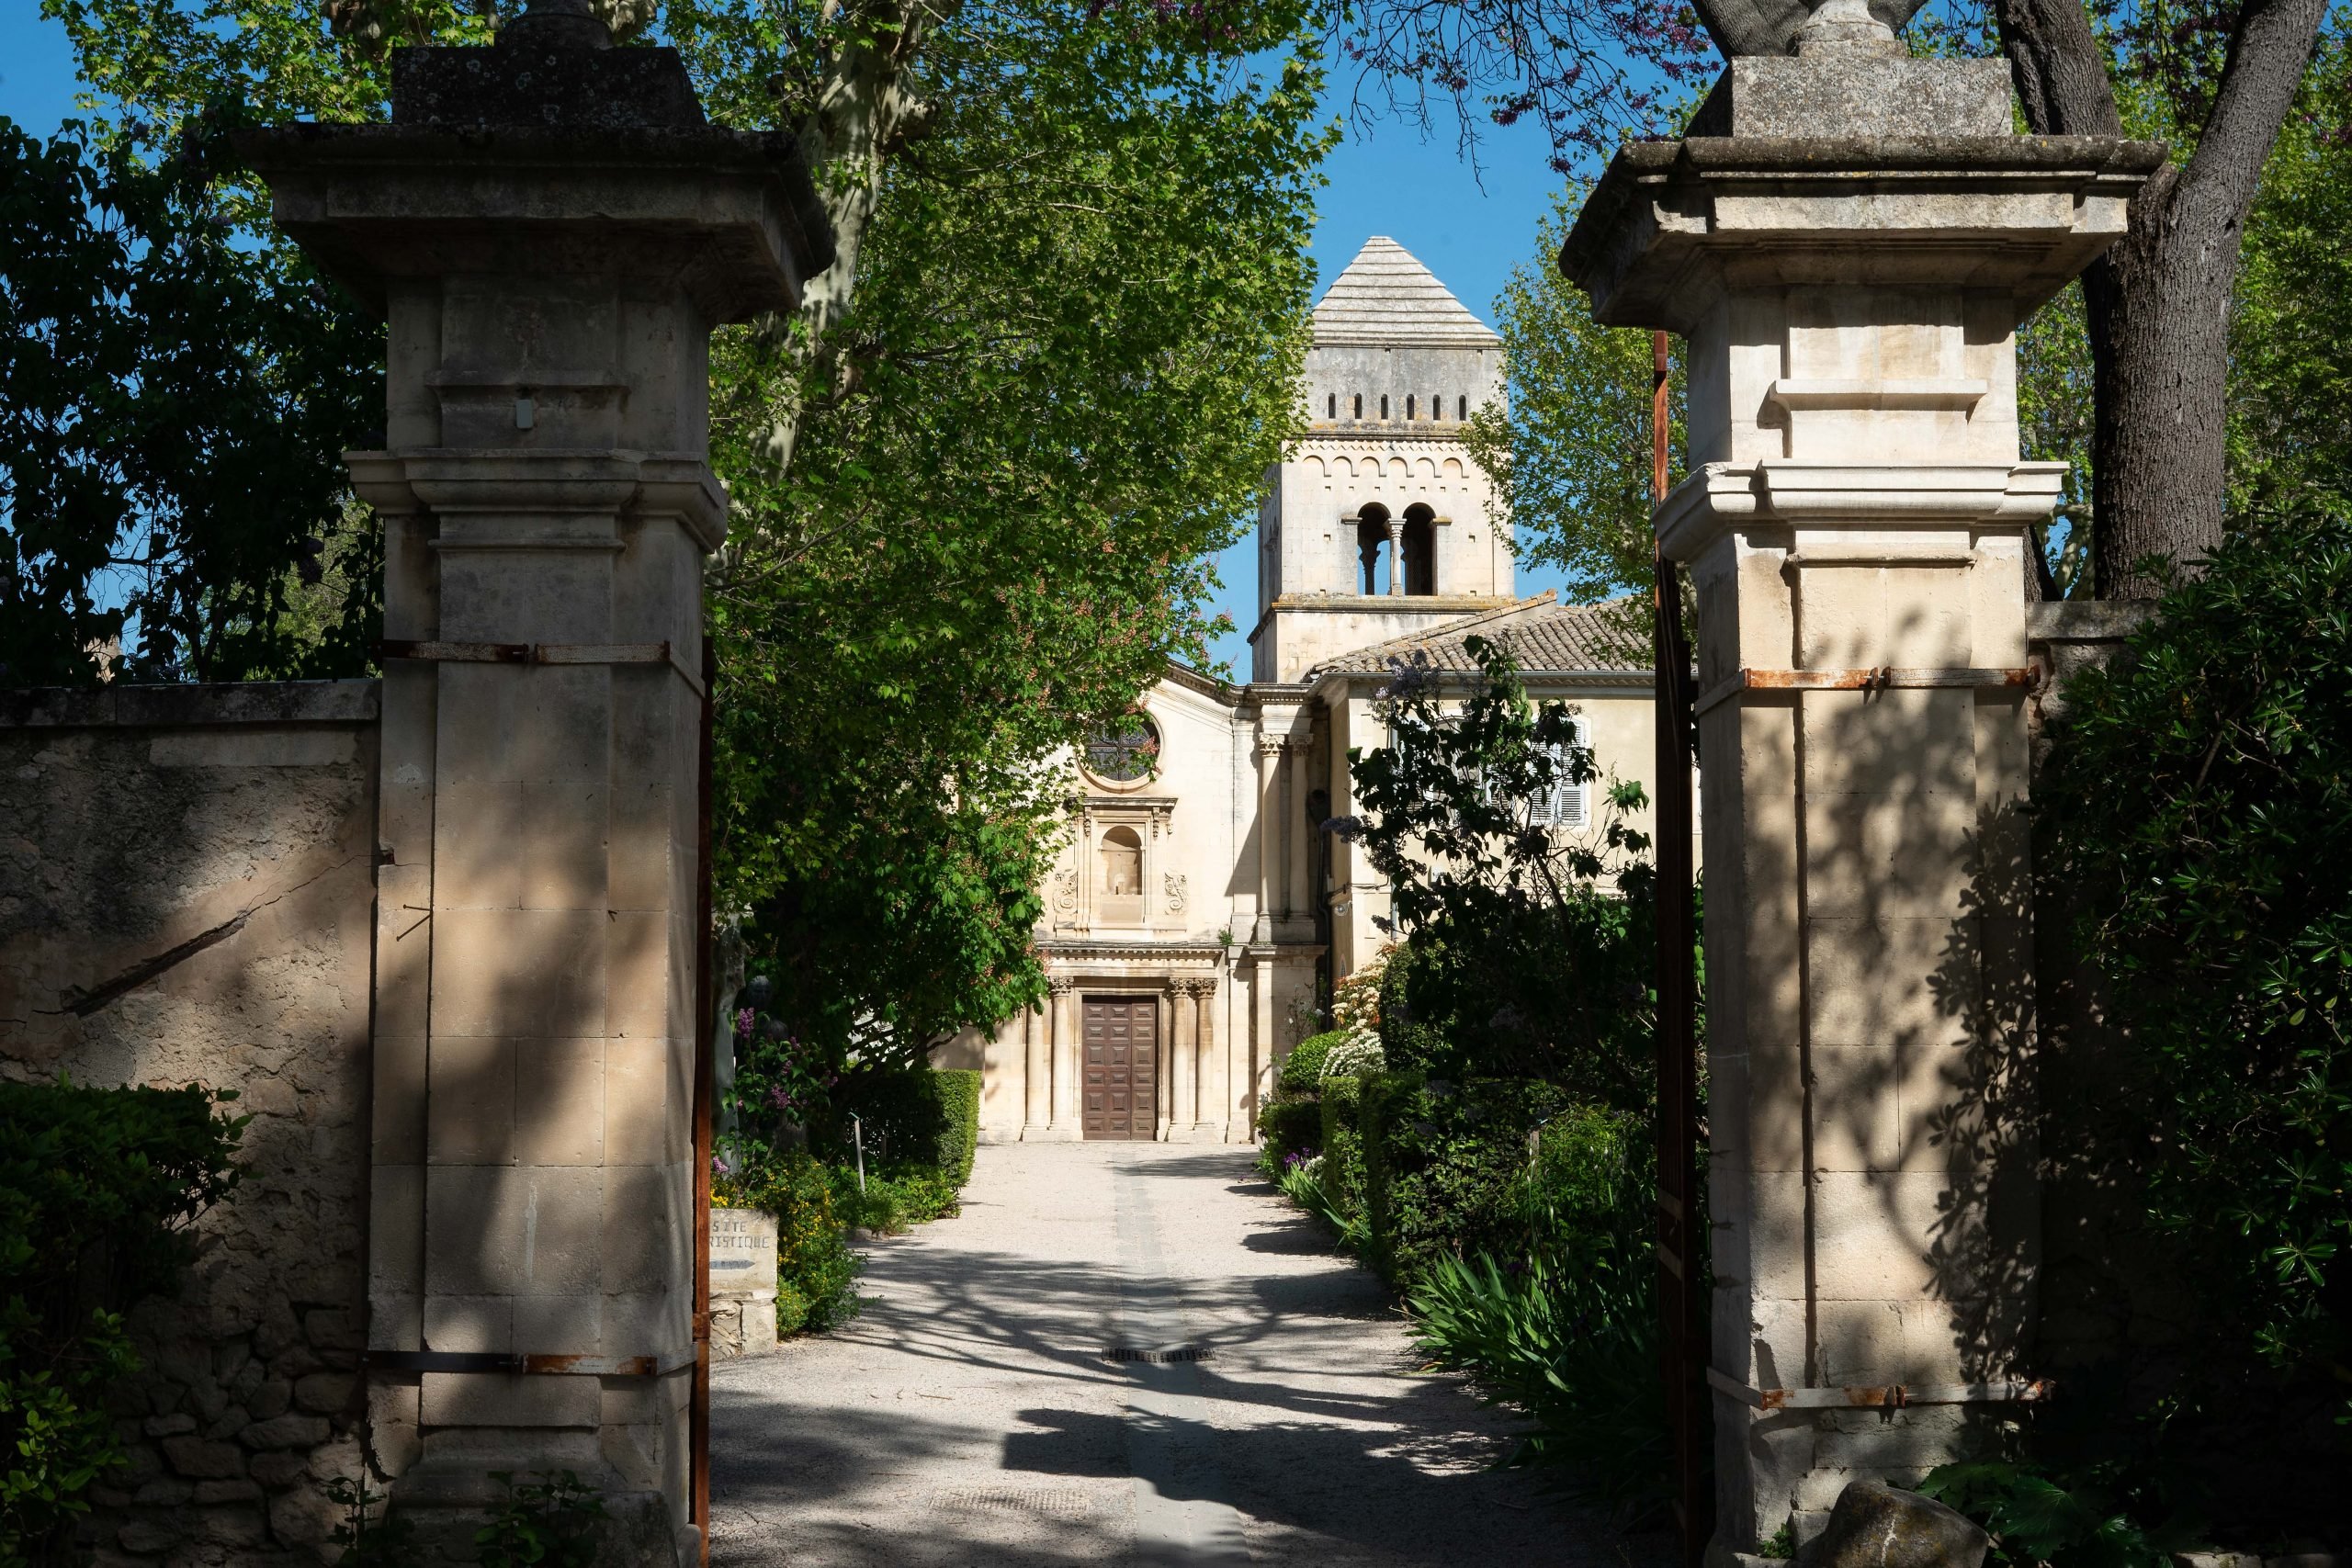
[[1342, 1175], [98, 1190], [1288, 1131], [1443, 1166], [2035, 1517], [892, 1198], [959, 1101], [550, 1521], [912, 1118], [1564, 1325], [1581, 1363], [1303, 1185], [2198, 821], [816, 1271], [1301, 1073]]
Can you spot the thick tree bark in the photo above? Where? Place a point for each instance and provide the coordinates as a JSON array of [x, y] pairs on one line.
[[864, 111], [2158, 303]]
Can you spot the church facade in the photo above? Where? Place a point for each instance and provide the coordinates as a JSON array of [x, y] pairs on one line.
[[1199, 910]]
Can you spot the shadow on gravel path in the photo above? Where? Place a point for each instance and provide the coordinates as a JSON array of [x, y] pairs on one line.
[[969, 1417]]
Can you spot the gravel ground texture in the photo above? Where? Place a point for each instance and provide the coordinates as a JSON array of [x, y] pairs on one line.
[[973, 1416]]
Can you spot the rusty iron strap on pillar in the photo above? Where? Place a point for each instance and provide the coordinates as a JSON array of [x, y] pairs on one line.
[[706, 1090], [1882, 678], [522, 1363], [1885, 1396], [1682, 1224]]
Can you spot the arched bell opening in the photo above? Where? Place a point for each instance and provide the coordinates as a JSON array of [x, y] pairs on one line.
[[1372, 541], [1419, 549]]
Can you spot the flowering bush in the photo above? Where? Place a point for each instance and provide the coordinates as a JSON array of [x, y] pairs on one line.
[[1355, 1001], [1355, 1056], [816, 1272]]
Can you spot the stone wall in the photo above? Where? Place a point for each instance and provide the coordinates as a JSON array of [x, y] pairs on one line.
[[186, 896]]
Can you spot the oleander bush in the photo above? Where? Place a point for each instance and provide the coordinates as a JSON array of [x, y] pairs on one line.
[[99, 1191], [1496, 1167]]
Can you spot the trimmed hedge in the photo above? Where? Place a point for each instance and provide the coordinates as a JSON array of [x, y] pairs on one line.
[[98, 1188], [1442, 1162], [1287, 1127], [923, 1118], [1342, 1108], [1302, 1071], [958, 1091]]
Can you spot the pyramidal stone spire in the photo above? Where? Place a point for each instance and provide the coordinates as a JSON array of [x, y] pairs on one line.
[[1386, 295]]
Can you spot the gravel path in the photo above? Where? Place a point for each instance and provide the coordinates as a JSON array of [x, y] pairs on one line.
[[969, 1418]]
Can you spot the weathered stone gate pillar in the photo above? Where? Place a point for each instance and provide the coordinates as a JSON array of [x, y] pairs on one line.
[[1848, 254], [552, 231]]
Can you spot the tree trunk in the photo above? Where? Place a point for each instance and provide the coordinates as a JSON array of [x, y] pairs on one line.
[[863, 112], [2158, 303]]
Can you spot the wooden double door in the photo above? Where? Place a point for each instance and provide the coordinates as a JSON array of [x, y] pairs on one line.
[[1121, 1039]]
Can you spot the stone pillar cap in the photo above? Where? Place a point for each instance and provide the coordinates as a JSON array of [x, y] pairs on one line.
[[731, 214], [2024, 213]]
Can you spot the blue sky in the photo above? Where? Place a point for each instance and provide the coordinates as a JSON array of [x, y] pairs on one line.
[[1385, 178]]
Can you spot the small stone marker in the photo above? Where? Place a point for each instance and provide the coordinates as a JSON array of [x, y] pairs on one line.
[[1877, 1526], [743, 1252], [743, 1282]]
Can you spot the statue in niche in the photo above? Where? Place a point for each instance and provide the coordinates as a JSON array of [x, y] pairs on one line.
[[1122, 863]]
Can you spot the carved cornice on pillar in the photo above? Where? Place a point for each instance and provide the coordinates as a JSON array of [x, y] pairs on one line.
[[1061, 985]]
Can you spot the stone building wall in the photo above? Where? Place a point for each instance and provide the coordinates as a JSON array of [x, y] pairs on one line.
[[186, 896]]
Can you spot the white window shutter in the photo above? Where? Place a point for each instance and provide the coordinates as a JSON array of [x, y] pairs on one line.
[[1571, 804]]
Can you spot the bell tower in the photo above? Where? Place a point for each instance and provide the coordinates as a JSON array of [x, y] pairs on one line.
[[1378, 523]]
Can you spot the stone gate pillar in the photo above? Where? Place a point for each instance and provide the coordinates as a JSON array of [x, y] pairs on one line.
[[552, 231], [1848, 253]]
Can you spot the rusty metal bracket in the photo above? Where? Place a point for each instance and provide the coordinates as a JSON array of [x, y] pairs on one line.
[[1885, 1396], [538, 653], [517, 1362], [1882, 678]]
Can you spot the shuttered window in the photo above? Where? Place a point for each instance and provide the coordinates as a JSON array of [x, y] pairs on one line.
[[1564, 805]]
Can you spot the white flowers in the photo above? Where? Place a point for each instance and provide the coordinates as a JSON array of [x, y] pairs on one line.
[[1359, 1056]]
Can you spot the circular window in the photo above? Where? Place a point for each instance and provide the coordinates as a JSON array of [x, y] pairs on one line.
[[1126, 752]]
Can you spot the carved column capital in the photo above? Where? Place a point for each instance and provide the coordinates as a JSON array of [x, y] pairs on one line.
[[1061, 985]]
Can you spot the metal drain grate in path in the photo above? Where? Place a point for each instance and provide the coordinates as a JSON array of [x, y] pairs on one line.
[[1132, 1353], [1039, 1501]]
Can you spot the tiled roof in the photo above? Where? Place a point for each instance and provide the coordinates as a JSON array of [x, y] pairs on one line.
[[1385, 296], [1545, 637]]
